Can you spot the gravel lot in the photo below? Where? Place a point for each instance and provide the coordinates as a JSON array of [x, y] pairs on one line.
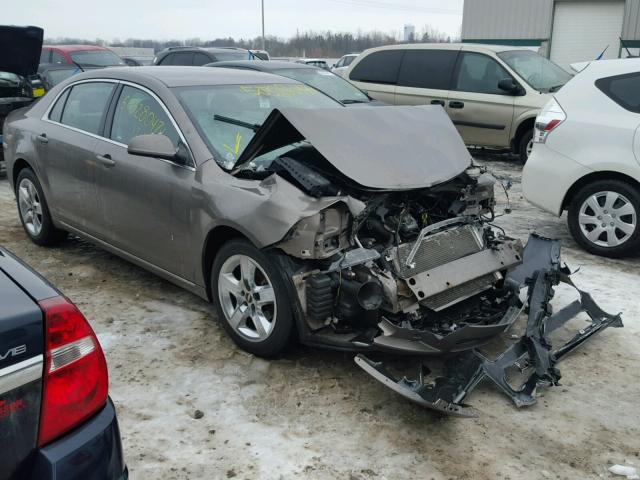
[[191, 405]]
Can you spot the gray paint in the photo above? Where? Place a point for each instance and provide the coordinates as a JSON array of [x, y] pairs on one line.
[[631, 24], [524, 19], [507, 19]]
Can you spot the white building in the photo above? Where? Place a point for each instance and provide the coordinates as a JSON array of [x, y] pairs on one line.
[[409, 33], [566, 31]]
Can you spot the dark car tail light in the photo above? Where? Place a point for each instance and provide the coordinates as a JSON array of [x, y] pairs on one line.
[[76, 381]]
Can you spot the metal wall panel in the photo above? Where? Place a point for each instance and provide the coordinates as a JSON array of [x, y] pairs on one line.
[[507, 19], [631, 25]]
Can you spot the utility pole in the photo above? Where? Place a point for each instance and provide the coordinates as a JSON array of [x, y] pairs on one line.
[[263, 43]]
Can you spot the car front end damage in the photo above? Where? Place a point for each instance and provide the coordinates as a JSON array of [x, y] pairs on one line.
[[388, 266]]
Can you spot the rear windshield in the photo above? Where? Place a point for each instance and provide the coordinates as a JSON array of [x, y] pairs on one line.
[[334, 86], [96, 58], [228, 115]]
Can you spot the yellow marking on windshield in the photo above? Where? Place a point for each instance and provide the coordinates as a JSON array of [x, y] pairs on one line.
[[236, 149], [278, 90]]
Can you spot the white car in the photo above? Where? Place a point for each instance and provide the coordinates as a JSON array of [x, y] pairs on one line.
[[586, 157], [342, 65]]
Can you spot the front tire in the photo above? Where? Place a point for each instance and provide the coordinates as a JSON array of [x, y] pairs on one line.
[[34, 211], [525, 145], [603, 218], [251, 299]]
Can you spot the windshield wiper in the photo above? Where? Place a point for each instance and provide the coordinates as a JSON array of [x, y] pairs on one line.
[[233, 121], [350, 101], [555, 88]]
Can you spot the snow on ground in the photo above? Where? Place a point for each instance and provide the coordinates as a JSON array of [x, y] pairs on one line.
[[192, 405]]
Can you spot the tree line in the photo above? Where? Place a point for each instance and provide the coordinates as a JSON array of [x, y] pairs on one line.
[[310, 44]]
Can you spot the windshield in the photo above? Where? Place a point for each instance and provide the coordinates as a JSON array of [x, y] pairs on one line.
[[328, 83], [227, 116], [233, 55], [97, 58], [7, 77], [537, 71]]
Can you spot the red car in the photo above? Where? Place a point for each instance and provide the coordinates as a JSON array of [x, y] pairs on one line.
[[83, 55]]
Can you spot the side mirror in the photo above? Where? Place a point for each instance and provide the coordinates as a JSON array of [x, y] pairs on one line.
[[509, 85], [154, 145]]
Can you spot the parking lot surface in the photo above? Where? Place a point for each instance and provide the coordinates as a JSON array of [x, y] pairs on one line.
[[192, 405]]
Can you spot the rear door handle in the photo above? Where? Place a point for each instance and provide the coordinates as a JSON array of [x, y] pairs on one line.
[[456, 104], [106, 160], [437, 102], [43, 138]]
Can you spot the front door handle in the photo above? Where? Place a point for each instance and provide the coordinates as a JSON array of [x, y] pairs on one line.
[[456, 104], [106, 160], [437, 102], [43, 138]]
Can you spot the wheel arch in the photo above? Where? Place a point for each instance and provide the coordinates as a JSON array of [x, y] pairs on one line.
[[592, 177], [18, 165], [214, 240], [524, 126]]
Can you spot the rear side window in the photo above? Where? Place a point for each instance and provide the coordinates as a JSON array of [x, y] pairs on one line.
[[45, 55], [86, 105], [200, 59], [378, 67], [56, 112], [138, 113], [182, 58], [427, 69], [622, 89], [479, 73]]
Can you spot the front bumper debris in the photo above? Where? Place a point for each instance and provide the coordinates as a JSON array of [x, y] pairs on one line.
[[532, 354]]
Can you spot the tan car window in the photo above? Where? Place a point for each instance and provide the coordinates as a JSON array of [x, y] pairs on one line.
[[138, 113], [480, 73]]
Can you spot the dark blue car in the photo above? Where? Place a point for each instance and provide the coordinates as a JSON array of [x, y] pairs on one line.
[[56, 419]]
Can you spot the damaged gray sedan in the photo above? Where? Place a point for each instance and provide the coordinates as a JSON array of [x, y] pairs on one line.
[[368, 229]]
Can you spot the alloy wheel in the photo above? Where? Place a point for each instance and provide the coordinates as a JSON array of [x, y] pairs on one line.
[[607, 219], [30, 207], [247, 297]]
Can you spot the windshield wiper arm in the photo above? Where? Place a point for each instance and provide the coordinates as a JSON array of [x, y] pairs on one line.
[[233, 121], [555, 88], [350, 100]]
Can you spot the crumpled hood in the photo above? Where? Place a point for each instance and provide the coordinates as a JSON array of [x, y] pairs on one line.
[[20, 49], [384, 147]]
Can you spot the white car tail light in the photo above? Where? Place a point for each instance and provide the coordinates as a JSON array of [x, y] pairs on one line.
[[548, 120]]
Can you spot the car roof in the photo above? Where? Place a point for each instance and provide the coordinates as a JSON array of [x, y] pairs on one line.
[[607, 68], [449, 46], [75, 48], [175, 76], [205, 49], [263, 66]]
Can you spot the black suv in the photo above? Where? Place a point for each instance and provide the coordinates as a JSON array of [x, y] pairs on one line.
[[198, 56]]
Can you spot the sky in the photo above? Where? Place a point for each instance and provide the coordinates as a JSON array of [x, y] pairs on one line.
[[182, 19]]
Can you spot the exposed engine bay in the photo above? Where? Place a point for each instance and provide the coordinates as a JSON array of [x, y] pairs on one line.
[[411, 263], [425, 272]]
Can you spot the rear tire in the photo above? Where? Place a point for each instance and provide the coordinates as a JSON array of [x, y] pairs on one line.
[[34, 211], [251, 299], [603, 218], [525, 144]]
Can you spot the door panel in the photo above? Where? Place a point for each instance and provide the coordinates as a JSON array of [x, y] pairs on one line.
[[482, 113], [145, 201], [425, 77], [66, 152]]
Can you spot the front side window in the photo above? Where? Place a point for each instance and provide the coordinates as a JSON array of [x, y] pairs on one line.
[[347, 61], [200, 59], [340, 62], [58, 58], [334, 86], [479, 73], [622, 89], [45, 55], [96, 58], [540, 73], [378, 67], [86, 106], [228, 116], [138, 113], [427, 69]]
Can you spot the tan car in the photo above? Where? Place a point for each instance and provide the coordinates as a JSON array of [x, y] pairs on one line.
[[492, 93]]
